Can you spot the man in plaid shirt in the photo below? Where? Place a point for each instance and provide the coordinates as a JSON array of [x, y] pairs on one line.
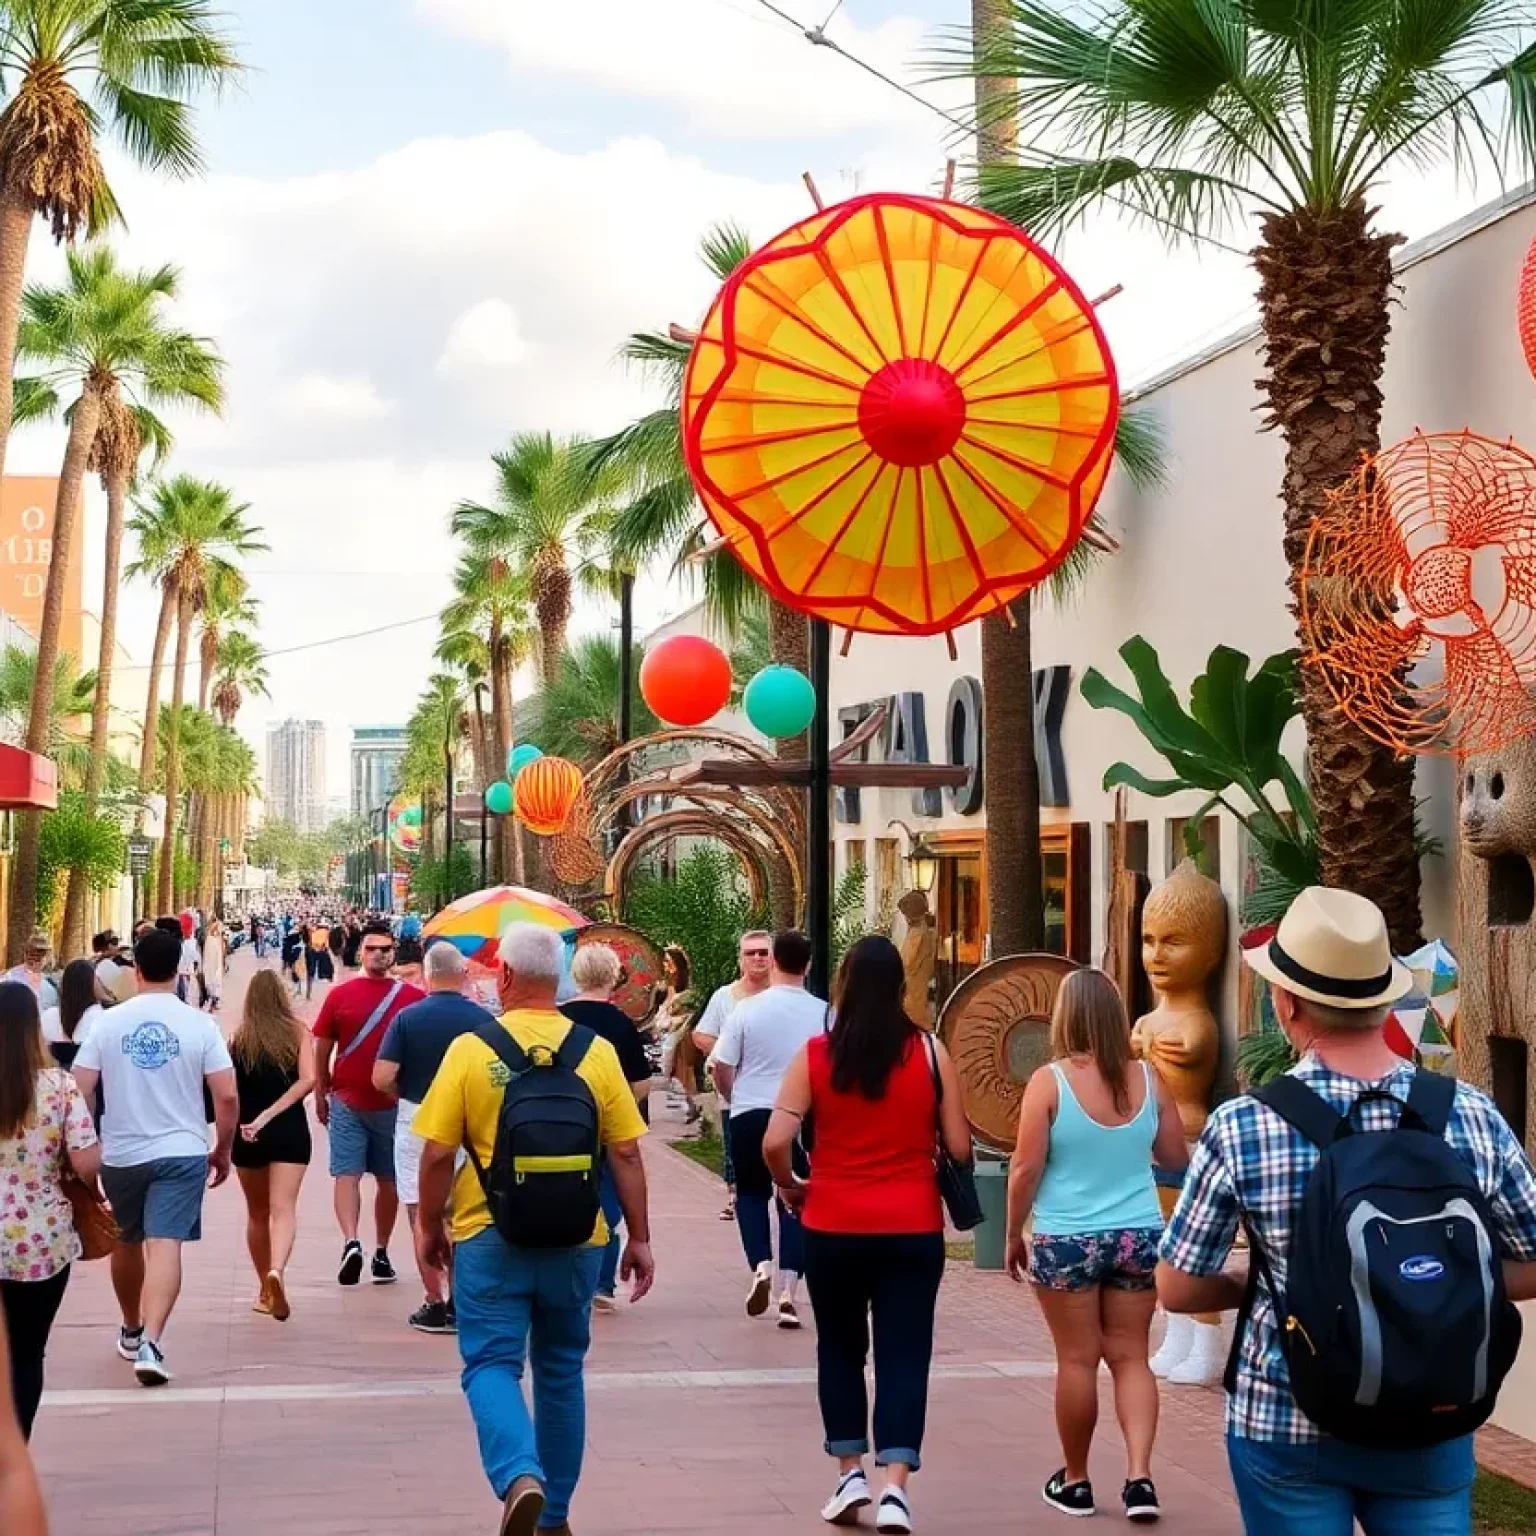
[[1333, 979]]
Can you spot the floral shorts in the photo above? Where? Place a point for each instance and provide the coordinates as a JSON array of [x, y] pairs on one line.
[[1124, 1261]]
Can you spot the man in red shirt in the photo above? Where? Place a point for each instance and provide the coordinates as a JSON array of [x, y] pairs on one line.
[[361, 1120]]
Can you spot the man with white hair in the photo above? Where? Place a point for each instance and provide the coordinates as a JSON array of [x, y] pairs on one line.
[[529, 1301], [413, 1049]]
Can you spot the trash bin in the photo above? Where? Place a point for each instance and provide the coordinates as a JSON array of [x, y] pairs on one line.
[[992, 1192]]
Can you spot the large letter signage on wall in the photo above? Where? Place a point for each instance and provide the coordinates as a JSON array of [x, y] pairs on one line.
[[847, 805], [1052, 685], [962, 737], [905, 740]]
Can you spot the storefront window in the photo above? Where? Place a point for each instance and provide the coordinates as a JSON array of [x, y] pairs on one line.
[[1054, 862]]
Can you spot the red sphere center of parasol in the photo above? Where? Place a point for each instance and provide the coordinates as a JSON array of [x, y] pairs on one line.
[[912, 412]]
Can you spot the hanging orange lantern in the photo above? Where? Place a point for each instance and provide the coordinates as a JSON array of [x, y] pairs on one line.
[[1528, 307], [545, 794], [899, 414]]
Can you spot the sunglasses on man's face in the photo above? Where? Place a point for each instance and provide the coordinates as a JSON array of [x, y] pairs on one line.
[[754, 954], [378, 949]]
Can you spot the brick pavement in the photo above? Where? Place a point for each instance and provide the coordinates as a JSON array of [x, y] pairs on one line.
[[343, 1422]]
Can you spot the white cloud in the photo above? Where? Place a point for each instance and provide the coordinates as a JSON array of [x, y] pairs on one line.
[[730, 68], [329, 398], [487, 336]]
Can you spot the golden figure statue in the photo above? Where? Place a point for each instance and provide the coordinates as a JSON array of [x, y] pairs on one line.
[[919, 952], [1183, 943]]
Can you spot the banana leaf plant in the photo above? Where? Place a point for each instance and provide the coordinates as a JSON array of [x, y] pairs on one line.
[[1226, 743]]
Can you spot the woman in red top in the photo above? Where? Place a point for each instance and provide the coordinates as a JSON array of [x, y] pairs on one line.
[[874, 1226]]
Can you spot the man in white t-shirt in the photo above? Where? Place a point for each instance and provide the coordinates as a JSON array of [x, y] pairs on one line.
[[152, 1058], [754, 960], [762, 1035]]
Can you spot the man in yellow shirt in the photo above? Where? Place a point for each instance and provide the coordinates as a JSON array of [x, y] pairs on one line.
[[504, 1293]]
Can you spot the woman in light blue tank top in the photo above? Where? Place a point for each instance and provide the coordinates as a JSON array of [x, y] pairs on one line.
[[1092, 1125]]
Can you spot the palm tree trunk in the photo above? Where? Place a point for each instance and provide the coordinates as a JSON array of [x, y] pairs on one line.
[[150, 740], [101, 708], [1325, 297], [208, 657], [172, 749], [1015, 878], [77, 453], [509, 843], [789, 645], [16, 215]]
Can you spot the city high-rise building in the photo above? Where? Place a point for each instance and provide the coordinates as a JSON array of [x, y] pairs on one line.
[[296, 773], [376, 754]]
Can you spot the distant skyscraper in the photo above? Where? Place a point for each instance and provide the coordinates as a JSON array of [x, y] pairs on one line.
[[296, 773], [376, 754]]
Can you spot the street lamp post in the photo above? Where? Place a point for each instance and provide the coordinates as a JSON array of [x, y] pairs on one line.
[[819, 881]]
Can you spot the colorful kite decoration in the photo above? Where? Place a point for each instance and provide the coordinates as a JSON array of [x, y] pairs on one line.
[[1425, 1020], [899, 414], [405, 827], [1418, 594]]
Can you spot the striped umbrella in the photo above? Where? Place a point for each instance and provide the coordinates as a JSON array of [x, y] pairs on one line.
[[475, 923]]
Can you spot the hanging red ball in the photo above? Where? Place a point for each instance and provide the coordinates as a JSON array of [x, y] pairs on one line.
[[545, 794], [1528, 307], [685, 680]]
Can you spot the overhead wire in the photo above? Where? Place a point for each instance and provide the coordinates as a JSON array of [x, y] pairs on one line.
[[817, 37], [314, 645]]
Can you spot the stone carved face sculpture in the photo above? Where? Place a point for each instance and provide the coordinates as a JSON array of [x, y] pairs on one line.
[[1498, 801], [1183, 931]]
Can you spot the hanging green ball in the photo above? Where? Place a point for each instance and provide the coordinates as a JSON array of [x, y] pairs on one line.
[[519, 758], [498, 798], [780, 701]]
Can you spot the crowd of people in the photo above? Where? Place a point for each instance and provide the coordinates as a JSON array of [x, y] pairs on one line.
[[513, 1139]]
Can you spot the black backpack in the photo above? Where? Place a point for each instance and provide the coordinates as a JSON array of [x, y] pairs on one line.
[[1393, 1322], [542, 1184]]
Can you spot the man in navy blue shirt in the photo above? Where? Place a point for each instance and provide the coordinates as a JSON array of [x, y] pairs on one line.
[[413, 1049]]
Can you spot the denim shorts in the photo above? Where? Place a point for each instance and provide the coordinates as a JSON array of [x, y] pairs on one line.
[[162, 1198], [1123, 1261], [362, 1141]]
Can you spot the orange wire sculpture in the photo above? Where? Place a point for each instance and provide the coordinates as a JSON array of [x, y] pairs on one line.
[[1418, 594]]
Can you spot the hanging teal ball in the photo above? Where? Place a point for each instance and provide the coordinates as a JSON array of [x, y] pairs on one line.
[[498, 798], [780, 701], [411, 816], [519, 758]]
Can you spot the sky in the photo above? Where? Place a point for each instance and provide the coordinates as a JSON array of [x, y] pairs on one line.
[[428, 224]]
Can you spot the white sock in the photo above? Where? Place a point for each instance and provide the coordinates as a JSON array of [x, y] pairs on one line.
[[789, 1284]]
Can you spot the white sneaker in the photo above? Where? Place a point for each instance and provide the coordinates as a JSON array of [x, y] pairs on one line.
[[851, 1496], [1178, 1340], [762, 1289], [128, 1341], [605, 1301], [1202, 1366], [150, 1366], [788, 1316], [894, 1513]]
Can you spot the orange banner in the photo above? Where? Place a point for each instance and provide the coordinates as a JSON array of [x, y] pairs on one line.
[[27, 506]]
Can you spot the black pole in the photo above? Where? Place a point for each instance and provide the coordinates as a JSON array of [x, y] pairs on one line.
[[448, 821], [626, 654], [819, 843]]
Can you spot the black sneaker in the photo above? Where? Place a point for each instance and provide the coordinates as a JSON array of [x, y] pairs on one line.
[[1141, 1500], [1074, 1499], [433, 1317], [382, 1270], [351, 1270], [453, 1317]]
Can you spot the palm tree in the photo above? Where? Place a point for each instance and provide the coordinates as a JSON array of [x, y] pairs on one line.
[[71, 699], [96, 337], [547, 508], [577, 716], [490, 608], [189, 532], [433, 734], [226, 602], [73, 70], [240, 672], [1203, 116]]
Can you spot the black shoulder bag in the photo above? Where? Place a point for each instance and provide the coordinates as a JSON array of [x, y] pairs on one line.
[[957, 1181]]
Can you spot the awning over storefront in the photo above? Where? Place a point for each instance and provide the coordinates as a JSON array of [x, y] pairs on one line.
[[28, 781]]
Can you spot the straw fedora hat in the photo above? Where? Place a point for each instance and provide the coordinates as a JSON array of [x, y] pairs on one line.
[[1332, 947]]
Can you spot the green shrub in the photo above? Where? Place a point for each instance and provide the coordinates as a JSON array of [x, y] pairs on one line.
[[74, 839]]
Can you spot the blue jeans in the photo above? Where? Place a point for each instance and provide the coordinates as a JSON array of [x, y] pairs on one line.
[[1324, 1488], [517, 1304], [754, 1195], [613, 1214]]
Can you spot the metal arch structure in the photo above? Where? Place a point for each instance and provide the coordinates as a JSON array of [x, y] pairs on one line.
[[671, 825], [762, 824]]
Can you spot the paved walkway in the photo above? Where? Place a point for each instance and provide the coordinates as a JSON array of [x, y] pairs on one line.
[[343, 1422]]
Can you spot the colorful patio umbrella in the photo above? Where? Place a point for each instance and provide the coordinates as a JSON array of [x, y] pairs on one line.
[[900, 414], [474, 924]]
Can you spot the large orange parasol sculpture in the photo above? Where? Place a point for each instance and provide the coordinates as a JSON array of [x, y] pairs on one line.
[[899, 414], [1418, 594]]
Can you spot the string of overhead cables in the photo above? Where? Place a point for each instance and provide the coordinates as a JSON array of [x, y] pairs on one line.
[[314, 645], [818, 38]]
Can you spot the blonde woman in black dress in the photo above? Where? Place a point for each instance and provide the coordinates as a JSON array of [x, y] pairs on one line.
[[274, 1061]]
